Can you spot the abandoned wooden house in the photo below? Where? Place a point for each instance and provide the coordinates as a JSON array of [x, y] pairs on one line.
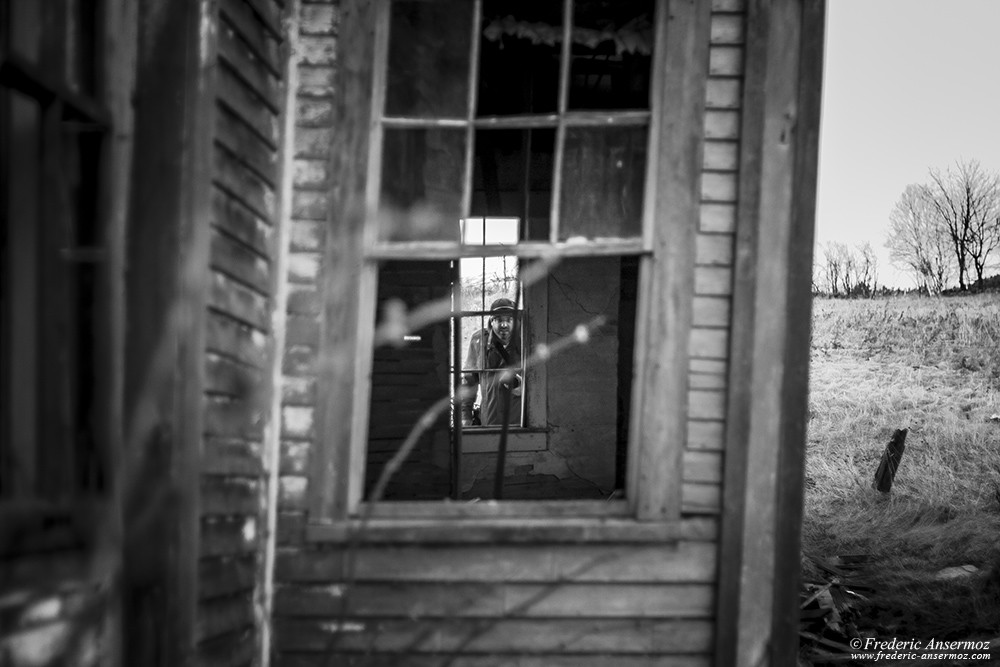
[[251, 250]]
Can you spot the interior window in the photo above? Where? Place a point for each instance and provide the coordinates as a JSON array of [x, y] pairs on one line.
[[519, 384]]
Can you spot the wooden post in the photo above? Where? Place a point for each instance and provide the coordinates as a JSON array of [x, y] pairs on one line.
[[765, 441], [886, 472]]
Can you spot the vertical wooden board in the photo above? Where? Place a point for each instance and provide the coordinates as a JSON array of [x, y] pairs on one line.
[[684, 32], [341, 282]]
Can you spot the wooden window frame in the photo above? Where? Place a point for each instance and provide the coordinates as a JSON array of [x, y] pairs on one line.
[[658, 420], [71, 93]]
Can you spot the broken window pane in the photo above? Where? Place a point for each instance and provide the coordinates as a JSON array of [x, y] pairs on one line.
[[611, 54], [492, 368], [603, 181], [410, 373], [428, 73], [513, 177], [578, 449], [519, 57], [422, 174]]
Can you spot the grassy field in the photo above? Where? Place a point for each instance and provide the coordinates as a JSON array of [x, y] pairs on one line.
[[931, 365]]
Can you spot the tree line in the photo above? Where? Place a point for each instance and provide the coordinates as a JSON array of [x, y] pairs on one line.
[[947, 228]]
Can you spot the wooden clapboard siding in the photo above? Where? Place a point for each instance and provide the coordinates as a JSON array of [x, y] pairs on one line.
[[495, 603], [507, 660], [239, 355], [549, 600]]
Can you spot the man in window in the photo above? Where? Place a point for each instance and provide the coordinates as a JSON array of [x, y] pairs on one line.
[[493, 363]]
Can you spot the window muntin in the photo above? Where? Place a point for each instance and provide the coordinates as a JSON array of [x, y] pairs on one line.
[[518, 152]]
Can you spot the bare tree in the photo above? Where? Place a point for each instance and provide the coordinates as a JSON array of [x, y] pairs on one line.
[[919, 240], [967, 200], [866, 263], [846, 271]]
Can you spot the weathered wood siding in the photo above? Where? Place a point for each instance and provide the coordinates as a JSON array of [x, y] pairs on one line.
[[489, 604], [245, 190]]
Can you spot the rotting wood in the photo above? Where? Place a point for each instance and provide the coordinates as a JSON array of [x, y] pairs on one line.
[[885, 474]]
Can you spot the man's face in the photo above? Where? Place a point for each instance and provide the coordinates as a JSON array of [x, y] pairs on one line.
[[503, 327]]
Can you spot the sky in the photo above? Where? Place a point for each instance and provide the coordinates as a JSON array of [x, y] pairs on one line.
[[908, 85]]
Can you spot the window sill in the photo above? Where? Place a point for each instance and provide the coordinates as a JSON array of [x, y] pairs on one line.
[[485, 440], [499, 531]]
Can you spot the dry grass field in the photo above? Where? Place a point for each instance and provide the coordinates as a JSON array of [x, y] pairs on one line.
[[931, 365]]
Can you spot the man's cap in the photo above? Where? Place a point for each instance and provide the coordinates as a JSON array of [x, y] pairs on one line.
[[501, 304]]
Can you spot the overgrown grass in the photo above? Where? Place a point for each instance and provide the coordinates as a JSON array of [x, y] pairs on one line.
[[931, 365]]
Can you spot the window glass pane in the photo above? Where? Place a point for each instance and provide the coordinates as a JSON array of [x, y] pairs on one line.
[[579, 448], [588, 391], [422, 174], [429, 59], [611, 54], [603, 180], [512, 176], [409, 375], [492, 368], [519, 57]]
